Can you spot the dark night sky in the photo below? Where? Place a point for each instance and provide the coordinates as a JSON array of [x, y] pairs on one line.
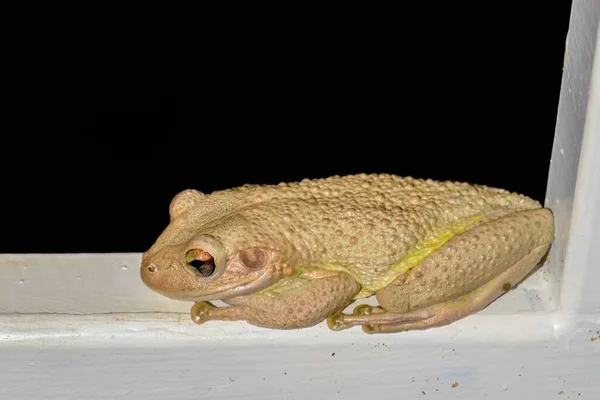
[[464, 98]]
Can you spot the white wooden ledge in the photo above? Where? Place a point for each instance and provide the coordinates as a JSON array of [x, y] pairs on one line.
[[83, 326]]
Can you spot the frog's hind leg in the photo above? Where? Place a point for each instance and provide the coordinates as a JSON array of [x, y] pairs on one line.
[[462, 277]]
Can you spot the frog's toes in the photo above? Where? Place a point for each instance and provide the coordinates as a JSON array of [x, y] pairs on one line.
[[370, 329], [363, 309], [340, 321], [200, 312], [335, 321]]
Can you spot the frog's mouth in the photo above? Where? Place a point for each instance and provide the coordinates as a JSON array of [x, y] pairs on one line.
[[251, 283]]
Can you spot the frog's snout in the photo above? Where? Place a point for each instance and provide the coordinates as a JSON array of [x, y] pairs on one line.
[[153, 273], [159, 271]]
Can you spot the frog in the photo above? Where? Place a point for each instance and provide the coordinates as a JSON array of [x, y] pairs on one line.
[[297, 254]]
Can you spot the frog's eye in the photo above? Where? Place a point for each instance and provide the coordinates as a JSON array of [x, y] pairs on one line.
[[201, 262], [253, 258]]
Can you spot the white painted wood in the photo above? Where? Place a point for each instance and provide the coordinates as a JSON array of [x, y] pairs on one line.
[[580, 294], [110, 283], [83, 326], [162, 357], [563, 176], [77, 284]]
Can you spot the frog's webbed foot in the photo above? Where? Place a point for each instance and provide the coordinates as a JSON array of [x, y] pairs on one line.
[[204, 311]]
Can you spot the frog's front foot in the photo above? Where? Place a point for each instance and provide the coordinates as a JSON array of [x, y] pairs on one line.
[[200, 312], [204, 311]]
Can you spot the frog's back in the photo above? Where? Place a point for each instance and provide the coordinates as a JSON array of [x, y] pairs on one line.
[[375, 227], [385, 190]]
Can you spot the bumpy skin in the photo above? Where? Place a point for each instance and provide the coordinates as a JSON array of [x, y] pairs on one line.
[[293, 254]]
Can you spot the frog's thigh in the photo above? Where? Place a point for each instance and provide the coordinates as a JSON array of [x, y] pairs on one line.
[[300, 307], [470, 260], [462, 277]]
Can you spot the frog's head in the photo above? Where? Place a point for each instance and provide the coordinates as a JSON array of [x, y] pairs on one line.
[[198, 260]]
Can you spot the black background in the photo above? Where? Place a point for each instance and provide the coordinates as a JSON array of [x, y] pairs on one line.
[[470, 97]]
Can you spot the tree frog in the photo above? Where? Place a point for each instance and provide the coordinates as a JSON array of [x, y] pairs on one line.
[[296, 254]]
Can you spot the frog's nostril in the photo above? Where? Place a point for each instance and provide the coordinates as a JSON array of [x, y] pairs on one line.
[[201, 262], [152, 268]]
